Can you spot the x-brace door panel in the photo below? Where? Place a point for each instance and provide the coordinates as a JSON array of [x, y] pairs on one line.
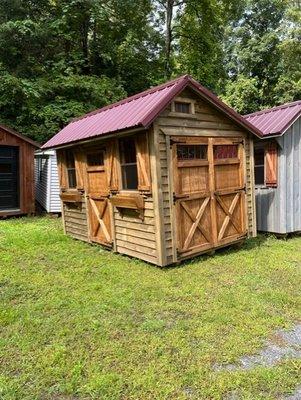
[[209, 192]]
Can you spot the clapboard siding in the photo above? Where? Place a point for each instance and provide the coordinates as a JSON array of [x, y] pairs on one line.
[[75, 220], [136, 237], [279, 209], [47, 182]]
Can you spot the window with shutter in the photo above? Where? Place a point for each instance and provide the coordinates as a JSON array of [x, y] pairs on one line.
[[143, 163], [271, 164]]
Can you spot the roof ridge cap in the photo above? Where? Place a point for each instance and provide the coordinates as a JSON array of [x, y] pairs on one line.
[[133, 97]]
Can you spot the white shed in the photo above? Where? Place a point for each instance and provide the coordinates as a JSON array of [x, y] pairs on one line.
[[46, 181]]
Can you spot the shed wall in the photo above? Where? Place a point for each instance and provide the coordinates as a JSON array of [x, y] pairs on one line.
[[207, 121], [279, 209], [26, 172]]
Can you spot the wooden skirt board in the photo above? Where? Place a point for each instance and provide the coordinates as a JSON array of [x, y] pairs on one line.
[[209, 193], [99, 213], [9, 177]]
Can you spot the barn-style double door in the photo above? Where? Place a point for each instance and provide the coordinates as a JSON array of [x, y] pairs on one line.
[[209, 192]]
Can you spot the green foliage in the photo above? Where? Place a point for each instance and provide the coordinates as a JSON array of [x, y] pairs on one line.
[[62, 58], [263, 55], [79, 322], [243, 94], [42, 107]]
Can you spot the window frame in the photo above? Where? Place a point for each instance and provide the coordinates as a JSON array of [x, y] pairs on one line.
[[100, 167], [122, 164], [69, 187], [260, 147], [185, 100]]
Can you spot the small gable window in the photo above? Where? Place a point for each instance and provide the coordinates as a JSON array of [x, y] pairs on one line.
[[182, 107], [70, 164], [128, 163]]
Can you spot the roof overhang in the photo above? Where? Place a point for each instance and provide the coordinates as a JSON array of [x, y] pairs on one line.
[[20, 136]]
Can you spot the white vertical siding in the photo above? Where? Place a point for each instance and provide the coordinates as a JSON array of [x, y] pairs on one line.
[[55, 201], [279, 210], [46, 181]]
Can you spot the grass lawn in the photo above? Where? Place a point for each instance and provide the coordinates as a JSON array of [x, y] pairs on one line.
[[78, 322]]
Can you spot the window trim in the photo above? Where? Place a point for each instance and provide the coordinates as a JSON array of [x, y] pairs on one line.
[[124, 190], [260, 185], [186, 100], [71, 188]]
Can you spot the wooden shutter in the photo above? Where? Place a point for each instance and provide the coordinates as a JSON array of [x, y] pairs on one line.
[[61, 166], [111, 167], [79, 162], [143, 163], [271, 164]]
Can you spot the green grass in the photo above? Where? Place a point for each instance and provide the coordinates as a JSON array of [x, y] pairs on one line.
[[78, 322]]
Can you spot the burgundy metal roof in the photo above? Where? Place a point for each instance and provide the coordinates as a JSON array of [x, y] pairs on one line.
[[276, 120], [137, 111]]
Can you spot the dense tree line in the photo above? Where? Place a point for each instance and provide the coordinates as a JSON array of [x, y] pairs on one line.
[[62, 58]]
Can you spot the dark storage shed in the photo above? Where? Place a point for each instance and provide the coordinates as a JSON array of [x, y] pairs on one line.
[[163, 175], [16, 173]]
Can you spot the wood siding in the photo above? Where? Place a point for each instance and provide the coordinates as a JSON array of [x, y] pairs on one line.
[[279, 209], [151, 235], [209, 122], [136, 237], [75, 220], [26, 173]]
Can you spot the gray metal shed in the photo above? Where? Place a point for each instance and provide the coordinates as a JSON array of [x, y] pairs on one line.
[[278, 200], [46, 181]]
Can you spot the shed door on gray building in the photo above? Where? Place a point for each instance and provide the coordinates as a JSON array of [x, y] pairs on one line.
[[9, 179]]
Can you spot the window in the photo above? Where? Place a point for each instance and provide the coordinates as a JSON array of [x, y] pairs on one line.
[[182, 107], [225, 151], [128, 162], [95, 159], [70, 163], [41, 165], [192, 152], [259, 166]]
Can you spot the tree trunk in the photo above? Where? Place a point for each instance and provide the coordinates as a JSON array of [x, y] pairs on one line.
[[168, 37]]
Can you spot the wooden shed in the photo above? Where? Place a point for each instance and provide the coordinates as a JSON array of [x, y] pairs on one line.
[[277, 168], [16, 173], [47, 186], [163, 175]]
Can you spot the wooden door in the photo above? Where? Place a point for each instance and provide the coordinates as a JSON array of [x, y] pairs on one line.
[[209, 193], [9, 178], [98, 204]]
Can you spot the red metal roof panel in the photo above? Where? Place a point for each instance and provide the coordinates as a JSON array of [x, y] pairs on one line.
[[139, 110], [276, 120]]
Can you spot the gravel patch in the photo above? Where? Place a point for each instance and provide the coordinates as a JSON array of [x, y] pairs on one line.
[[285, 345], [296, 395]]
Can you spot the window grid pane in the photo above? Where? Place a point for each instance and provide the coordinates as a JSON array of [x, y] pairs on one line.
[[192, 152], [182, 107], [225, 151], [128, 159]]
